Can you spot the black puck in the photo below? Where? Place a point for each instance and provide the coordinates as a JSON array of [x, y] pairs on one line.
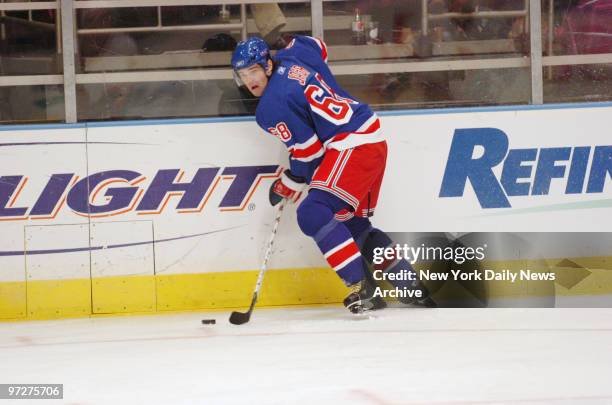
[[209, 321]]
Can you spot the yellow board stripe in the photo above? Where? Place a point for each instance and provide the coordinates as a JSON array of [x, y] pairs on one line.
[[13, 300], [52, 299], [47, 299]]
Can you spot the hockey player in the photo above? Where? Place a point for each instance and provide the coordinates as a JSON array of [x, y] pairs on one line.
[[335, 146]]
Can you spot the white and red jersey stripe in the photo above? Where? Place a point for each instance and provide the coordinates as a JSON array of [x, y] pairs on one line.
[[322, 46], [307, 151], [312, 149], [369, 132]]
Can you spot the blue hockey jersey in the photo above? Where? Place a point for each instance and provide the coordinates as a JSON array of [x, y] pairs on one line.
[[305, 108]]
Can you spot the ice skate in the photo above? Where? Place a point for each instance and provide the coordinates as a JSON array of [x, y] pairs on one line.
[[425, 300], [361, 298]]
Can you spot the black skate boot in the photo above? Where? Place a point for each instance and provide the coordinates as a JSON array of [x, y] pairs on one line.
[[427, 303], [425, 300], [362, 298]]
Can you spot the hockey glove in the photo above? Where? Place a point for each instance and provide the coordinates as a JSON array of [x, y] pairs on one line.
[[287, 186]]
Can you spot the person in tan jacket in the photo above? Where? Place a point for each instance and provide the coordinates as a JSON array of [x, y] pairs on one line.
[[269, 20]]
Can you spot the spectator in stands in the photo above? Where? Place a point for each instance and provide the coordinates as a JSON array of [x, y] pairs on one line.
[[472, 28], [269, 20], [393, 16]]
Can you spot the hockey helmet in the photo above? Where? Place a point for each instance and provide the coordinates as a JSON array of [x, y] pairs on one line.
[[252, 51]]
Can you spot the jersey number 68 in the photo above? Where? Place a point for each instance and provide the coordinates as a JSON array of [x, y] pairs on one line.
[[327, 104]]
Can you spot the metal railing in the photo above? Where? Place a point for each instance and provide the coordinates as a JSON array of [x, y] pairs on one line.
[[426, 17], [26, 80], [159, 26], [68, 32]]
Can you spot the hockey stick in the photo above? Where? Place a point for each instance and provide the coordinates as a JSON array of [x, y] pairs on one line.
[[238, 318]]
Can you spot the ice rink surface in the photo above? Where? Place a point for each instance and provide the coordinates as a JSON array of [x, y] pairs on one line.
[[320, 355]]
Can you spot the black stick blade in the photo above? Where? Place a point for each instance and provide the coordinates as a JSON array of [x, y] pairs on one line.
[[239, 318]]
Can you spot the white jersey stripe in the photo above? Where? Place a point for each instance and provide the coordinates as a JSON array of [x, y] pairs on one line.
[[304, 145], [347, 261], [368, 123], [337, 248], [311, 157]]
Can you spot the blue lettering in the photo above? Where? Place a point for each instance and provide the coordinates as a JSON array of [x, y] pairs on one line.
[[513, 170], [601, 168], [578, 167], [547, 170], [465, 163], [461, 166]]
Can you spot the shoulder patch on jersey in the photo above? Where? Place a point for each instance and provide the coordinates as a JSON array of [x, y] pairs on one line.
[[281, 70], [281, 131], [299, 73]]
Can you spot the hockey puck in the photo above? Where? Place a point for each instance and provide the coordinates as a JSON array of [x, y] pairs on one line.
[[209, 321]]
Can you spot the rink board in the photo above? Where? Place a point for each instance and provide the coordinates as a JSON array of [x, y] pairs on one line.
[[172, 215]]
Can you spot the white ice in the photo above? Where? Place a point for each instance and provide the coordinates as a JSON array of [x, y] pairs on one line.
[[320, 355]]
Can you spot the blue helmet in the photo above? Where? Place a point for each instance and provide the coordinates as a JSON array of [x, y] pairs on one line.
[[253, 50]]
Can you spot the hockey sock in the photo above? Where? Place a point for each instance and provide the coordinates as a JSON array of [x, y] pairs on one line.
[[341, 252], [316, 219], [360, 228]]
